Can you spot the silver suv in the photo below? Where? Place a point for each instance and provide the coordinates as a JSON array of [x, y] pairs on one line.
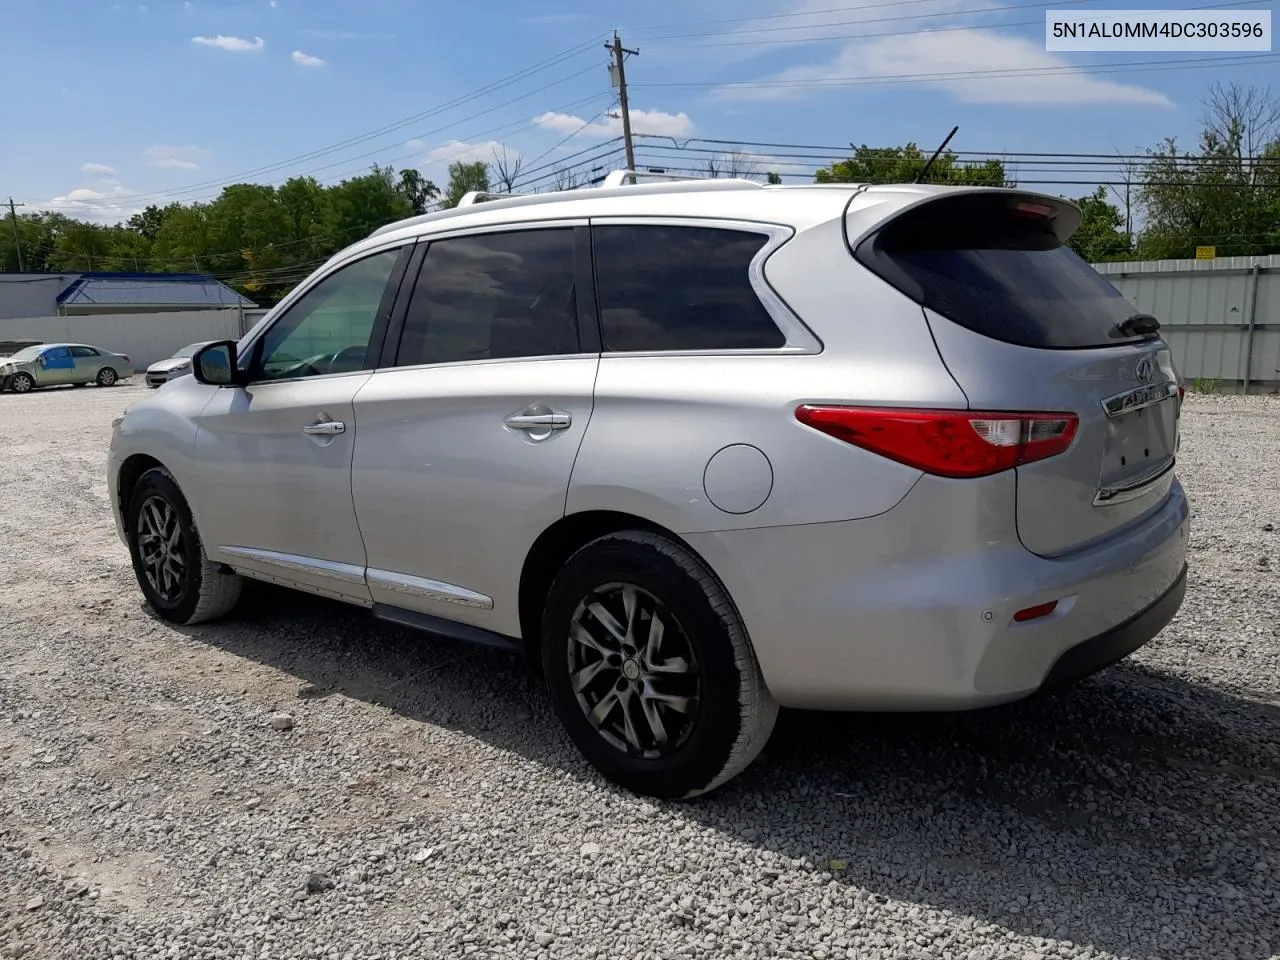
[[699, 449]]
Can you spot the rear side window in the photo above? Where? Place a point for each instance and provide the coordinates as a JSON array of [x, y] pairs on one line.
[[494, 296], [998, 266], [680, 288]]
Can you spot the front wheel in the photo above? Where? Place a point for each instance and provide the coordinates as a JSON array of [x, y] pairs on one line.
[[22, 383], [107, 377], [179, 581], [651, 669]]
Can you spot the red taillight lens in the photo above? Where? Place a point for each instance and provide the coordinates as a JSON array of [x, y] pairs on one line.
[[947, 443], [1036, 612], [127, 358]]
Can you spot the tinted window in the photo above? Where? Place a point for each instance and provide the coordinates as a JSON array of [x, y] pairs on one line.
[[996, 266], [84, 352], [328, 329], [680, 288], [493, 296]]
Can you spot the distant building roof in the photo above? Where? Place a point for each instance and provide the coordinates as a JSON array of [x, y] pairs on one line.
[[150, 290]]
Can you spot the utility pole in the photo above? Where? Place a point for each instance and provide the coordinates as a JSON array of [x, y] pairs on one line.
[[17, 237], [620, 80]]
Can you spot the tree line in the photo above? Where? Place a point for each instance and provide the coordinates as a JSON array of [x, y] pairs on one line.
[[261, 240]]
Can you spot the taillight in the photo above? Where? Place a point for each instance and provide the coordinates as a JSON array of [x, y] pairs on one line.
[[947, 443], [127, 358]]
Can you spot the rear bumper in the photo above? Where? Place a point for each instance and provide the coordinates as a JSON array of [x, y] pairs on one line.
[[914, 609], [1100, 652]]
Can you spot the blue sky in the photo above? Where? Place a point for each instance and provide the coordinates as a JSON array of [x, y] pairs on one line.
[[112, 105]]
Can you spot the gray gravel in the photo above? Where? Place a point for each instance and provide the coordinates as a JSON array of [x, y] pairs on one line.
[[421, 801]]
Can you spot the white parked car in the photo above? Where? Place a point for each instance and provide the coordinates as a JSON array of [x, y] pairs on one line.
[[178, 365], [699, 449]]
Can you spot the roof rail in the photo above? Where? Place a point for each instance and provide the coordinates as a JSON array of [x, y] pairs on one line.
[[479, 196]]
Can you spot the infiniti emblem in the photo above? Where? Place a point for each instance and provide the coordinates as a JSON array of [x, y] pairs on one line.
[[1145, 370]]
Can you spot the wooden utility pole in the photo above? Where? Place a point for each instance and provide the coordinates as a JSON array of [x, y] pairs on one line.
[[17, 236], [620, 78]]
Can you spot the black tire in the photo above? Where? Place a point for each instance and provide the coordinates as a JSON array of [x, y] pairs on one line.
[[22, 383], [202, 592], [734, 712], [107, 377]]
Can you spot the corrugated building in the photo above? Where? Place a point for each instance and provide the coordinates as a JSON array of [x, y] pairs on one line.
[[79, 294]]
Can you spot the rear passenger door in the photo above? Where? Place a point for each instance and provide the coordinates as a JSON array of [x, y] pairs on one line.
[[88, 362], [469, 430]]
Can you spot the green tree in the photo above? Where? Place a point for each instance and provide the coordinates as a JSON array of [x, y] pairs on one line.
[[1100, 236], [464, 178], [904, 164], [418, 190], [360, 205], [1225, 193]]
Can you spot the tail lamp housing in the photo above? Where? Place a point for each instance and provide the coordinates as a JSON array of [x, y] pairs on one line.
[[960, 444]]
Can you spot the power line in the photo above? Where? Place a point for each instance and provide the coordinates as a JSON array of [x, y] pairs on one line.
[[846, 23], [844, 150], [791, 16], [570, 53], [1013, 72], [560, 143], [514, 126], [897, 33]]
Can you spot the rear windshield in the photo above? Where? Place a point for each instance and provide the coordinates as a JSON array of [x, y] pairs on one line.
[[996, 265]]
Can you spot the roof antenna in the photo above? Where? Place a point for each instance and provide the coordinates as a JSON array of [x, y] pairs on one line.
[[921, 175]]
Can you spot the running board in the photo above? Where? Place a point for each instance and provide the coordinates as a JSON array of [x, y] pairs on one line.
[[446, 628]]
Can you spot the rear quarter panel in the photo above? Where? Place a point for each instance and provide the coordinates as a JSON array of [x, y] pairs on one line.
[[659, 419]]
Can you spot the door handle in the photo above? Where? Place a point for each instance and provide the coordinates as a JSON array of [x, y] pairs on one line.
[[538, 421], [327, 428]]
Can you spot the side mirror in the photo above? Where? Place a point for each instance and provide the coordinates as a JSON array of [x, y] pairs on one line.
[[42, 360], [215, 364]]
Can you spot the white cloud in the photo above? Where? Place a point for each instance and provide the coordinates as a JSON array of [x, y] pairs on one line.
[[231, 44], [101, 206], [97, 170], [274, 4], [653, 122], [457, 151], [175, 158], [307, 60], [1035, 77]]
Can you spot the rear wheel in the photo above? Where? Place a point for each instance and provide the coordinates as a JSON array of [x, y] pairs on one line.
[[22, 383], [107, 377], [650, 667], [179, 581]]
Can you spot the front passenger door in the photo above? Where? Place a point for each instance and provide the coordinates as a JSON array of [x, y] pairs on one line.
[[273, 458], [58, 366]]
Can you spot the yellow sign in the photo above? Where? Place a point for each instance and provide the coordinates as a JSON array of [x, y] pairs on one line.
[[1206, 253]]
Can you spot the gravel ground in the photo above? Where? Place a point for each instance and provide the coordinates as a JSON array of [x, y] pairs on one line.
[[422, 801]]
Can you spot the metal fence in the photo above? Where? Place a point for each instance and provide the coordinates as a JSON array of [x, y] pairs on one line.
[[1221, 317]]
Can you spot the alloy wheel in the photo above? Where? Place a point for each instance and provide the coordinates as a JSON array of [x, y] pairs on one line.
[[162, 549], [633, 671]]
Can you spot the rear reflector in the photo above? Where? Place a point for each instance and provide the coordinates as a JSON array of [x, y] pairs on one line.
[[947, 443], [1036, 612]]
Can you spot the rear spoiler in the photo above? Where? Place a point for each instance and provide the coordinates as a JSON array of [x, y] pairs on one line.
[[873, 208]]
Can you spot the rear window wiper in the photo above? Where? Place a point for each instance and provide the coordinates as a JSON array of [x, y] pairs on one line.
[[1138, 325]]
